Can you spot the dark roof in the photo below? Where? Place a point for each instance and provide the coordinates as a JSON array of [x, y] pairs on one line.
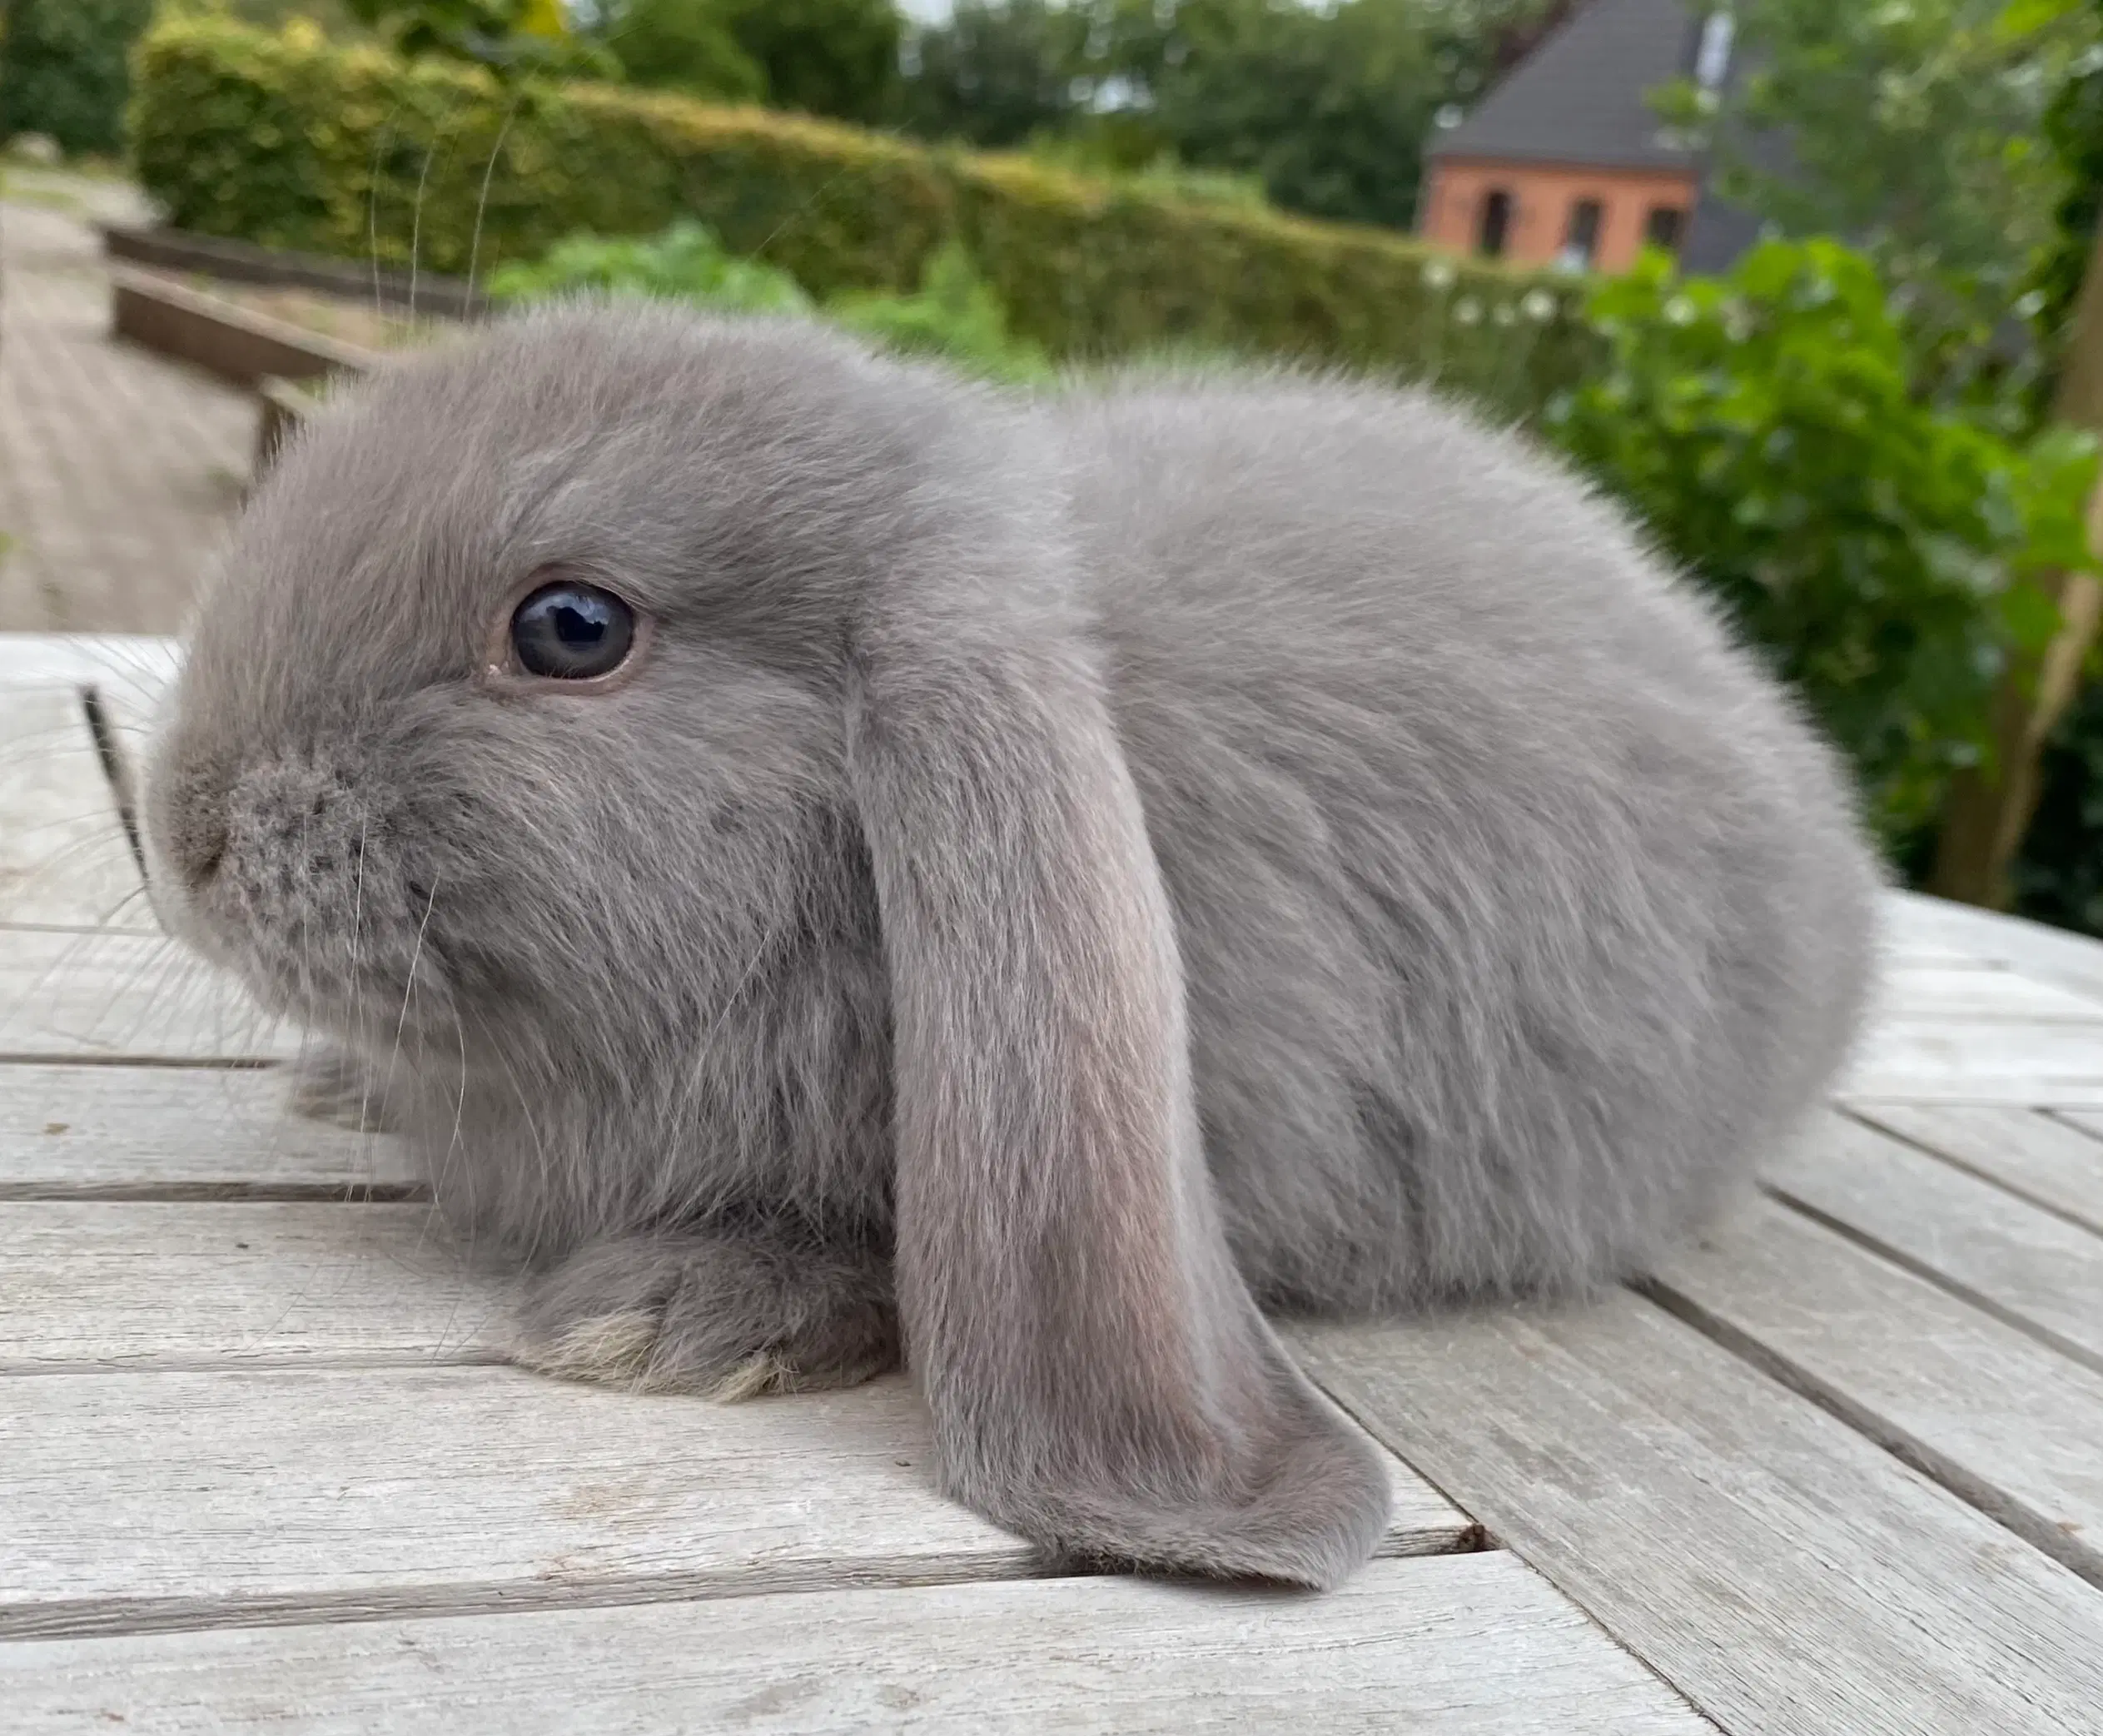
[[1579, 97]]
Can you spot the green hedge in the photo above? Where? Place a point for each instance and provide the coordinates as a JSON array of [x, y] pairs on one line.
[[290, 141], [63, 69]]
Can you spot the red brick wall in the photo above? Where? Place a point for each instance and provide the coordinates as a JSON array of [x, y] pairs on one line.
[[1541, 198]]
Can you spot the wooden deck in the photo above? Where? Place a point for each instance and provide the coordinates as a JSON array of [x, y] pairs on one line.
[[1837, 1470]]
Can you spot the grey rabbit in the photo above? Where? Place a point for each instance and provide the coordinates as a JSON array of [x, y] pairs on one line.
[[832, 865]]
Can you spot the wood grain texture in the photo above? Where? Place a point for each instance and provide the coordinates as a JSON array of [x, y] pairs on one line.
[[1788, 1576], [107, 1133], [1458, 1645], [125, 1285], [2031, 1064], [1963, 990], [1984, 1409], [124, 997], [64, 859], [136, 667], [167, 1500], [1913, 923], [2025, 1265], [2040, 1157]]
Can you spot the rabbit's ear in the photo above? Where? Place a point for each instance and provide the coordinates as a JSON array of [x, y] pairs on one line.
[[1101, 1380]]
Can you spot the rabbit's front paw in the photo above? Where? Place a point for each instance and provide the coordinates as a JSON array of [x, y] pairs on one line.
[[332, 1084], [730, 1316]]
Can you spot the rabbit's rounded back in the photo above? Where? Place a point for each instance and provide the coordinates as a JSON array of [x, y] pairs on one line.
[[1518, 908]]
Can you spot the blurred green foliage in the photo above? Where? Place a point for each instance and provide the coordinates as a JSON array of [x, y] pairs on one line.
[[288, 140], [833, 58], [1916, 130], [685, 263], [955, 316], [837, 58], [1327, 107], [511, 37], [2059, 876], [1879, 547], [678, 45], [62, 70]]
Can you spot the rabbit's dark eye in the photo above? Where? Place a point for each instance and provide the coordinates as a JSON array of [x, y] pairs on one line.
[[571, 632]]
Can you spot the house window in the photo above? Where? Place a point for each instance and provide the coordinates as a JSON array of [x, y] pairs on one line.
[[1664, 226], [1494, 228], [1581, 240]]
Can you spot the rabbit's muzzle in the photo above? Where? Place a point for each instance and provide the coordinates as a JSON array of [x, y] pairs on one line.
[[296, 879]]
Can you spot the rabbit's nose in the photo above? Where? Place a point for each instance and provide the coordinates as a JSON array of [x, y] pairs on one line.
[[187, 826], [292, 819], [201, 846]]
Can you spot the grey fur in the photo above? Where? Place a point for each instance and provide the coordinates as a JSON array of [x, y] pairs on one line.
[[1099, 863]]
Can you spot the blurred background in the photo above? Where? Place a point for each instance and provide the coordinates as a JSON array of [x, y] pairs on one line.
[[1809, 286]]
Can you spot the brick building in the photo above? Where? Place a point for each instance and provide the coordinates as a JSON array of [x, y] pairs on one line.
[[1565, 161]]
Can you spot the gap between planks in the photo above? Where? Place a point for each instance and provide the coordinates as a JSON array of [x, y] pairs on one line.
[[2029, 1269], [2048, 1160], [1468, 1646], [1790, 1576], [432, 1490], [1995, 1418]]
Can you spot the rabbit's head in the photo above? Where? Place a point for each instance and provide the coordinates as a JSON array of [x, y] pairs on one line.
[[551, 674]]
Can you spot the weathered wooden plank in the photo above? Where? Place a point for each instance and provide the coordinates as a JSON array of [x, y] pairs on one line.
[[223, 1498], [128, 1285], [124, 997], [2027, 1266], [2028, 1062], [1963, 991], [1985, 1409], [1788, 1576], [1460, 1646], [1911, 922], [136, 667], [2088, 1123], [2037, 1155], [63, 857], [162, 1132], [1933, 956]]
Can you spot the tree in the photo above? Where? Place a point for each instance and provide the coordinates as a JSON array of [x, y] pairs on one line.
[[63, 72], [1916, 129], [1328, 107], [1329, 112], [509, 36], [837, 57], [685, 45], [995, 74], [1990, 811]]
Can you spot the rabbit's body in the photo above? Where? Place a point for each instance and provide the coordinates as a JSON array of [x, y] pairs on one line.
[[1034, 861], [1516, 912]]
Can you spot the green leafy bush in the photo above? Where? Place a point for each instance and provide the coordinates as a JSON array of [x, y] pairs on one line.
[[286, 140], [512, 37], [955, 316], [687, 263], [1086, 154], [62, 70], [1878, 548]]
